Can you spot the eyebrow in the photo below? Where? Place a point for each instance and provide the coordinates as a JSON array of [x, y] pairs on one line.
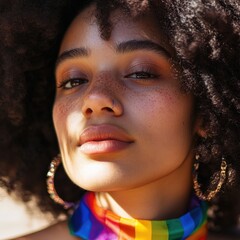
[[72, 53], [134, 45], [123, 47]]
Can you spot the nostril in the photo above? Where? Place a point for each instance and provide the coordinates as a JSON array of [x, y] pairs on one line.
[[89, 111], [96, 104], [108, 109]]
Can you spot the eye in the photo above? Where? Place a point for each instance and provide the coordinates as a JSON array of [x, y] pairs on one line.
[[142, 75], [72, 83], [143, 72]]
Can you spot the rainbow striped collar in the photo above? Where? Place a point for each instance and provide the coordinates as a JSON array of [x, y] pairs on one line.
[[91, 222]]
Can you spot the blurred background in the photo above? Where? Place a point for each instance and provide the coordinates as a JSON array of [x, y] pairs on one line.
[[16, 219]]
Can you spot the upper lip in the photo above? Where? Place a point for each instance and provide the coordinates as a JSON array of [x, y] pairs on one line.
[[104, 132]]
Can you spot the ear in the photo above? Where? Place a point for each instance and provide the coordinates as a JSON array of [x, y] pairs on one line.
[[199, 129]]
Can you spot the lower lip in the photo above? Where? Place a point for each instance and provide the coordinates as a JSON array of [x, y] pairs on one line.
[[105, 146]]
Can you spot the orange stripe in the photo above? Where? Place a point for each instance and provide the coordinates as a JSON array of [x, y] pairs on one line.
[[200, 234], [112, 221]]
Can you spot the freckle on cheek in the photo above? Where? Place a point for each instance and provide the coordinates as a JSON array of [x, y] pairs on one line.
[[64, 107], [169, 97]]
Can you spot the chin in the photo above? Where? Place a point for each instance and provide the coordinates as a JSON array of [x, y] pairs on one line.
[[97, 186], [96, 182]]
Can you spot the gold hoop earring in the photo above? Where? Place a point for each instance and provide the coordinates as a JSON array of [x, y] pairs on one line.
[[50, 183], [210, 194]]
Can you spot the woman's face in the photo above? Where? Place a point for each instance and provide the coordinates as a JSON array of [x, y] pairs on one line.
[[120, 116]]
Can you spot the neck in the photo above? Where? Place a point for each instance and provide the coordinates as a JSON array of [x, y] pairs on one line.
[[164, 198]]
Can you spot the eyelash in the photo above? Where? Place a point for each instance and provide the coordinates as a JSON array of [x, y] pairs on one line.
[[146, 74], [63, 83]]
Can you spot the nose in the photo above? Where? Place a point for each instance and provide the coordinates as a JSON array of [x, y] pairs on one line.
[[101, 99]]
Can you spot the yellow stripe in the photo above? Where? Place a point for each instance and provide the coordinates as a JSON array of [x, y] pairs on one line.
[[143, 230]]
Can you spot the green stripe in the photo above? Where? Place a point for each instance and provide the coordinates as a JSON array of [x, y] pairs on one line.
[[160, 230], [175, 228]]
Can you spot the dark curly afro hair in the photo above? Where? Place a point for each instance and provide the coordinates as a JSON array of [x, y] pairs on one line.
[[206, 38]]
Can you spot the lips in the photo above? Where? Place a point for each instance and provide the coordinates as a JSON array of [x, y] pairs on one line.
[[99, 139]]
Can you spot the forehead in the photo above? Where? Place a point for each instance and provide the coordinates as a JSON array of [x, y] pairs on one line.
[[86, 30]]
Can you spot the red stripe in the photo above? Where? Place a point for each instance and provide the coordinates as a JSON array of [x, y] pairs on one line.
[[127, 229]]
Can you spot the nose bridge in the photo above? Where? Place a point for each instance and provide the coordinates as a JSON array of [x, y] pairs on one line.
[[101, 96], [102, 85]]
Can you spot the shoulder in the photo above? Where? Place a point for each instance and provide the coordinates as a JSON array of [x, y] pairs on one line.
[[58, 231]]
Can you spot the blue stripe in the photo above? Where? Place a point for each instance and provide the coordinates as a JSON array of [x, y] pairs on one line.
[[188, 225], [197, 216], [80, 221]]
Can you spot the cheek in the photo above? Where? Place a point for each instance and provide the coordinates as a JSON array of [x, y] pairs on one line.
[[62, 106], [167, 113], [163, 105], [65, 116]]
